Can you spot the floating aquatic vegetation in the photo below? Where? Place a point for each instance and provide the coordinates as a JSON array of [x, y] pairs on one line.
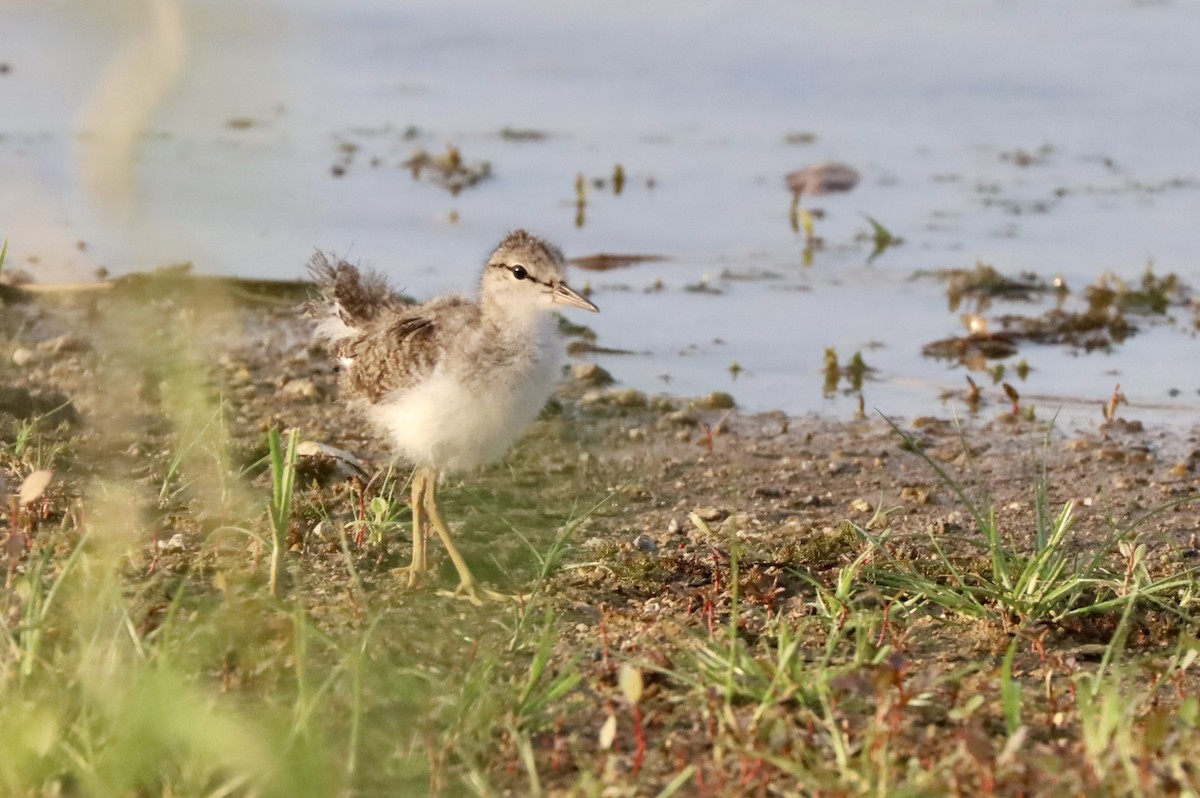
[[523, 134], [617, 181], [853, 373], [1026, 158], [973, 350], [881, 238], [985, 283], [1100, 322], [580, 200], [800, 138], [702, 286], [449, 169]]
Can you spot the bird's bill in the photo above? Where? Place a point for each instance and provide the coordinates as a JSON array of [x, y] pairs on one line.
[[565, 295]]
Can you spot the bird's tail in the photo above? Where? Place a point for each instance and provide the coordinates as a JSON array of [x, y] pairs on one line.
[[348, 300]]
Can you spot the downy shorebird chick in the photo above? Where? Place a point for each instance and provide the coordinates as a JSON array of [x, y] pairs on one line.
[[453, 382]]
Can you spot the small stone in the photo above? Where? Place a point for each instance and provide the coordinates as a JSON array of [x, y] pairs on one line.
[[737, 522], [591, 374], [662, 404], [646, 544], [22, 356], [914, 495], [637, 434], [34, 486], [674, 527], [717, 400], [679, 418], [860, 505], [955, 521], [627, 398], [590, 613], [300, 388], [710, 514], [175, 543], [63, 343]]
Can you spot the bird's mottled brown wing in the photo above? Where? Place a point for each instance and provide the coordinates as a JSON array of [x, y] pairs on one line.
[[399, 349], [357, 299]]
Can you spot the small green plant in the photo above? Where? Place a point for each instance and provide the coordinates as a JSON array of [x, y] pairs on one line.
[[1051, 583], [376, 518], [881, 238]]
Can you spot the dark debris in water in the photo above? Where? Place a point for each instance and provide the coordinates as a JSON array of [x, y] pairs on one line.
[[1026, 158], [799, 138], [827, 177], [523, 134], [851, 374], [971, 349], [606, 261], [449, 169], [985, 283], [1099, 323], [703, 286], [585, 347], [1090, 330], [751, 275]]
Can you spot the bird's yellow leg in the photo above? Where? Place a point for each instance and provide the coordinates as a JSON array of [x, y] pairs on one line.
[[420, 560], [468, 588]]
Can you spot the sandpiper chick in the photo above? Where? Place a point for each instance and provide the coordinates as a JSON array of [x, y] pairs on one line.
[[454, 381]]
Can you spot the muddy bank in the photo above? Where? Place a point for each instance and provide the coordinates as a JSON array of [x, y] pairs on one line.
[[646, 527], [96, 364]]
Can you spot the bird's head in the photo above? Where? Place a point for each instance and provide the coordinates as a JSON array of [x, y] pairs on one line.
[[525, 274]]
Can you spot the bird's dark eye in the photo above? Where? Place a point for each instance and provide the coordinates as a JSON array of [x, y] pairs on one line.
[[519, 271]]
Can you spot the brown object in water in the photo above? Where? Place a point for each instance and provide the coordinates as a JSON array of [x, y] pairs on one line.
[[604, 261], [826, 177]]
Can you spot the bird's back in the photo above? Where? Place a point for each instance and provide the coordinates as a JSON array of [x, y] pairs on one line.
[[383, 345], [399, 350]]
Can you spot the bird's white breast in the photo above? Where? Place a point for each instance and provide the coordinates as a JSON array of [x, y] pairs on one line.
[[465, 414]]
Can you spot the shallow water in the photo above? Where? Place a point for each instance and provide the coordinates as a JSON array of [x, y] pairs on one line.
[[158, 132]]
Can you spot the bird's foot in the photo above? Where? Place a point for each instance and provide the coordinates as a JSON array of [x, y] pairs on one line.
[[413, 571], [472, 592]]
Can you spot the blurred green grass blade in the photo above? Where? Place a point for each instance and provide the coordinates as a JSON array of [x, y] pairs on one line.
[[1010, 690]]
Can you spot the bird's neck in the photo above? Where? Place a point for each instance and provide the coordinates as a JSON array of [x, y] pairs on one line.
[[513, 319]]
